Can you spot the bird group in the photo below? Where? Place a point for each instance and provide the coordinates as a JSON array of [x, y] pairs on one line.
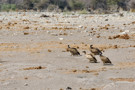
[[91, 57]]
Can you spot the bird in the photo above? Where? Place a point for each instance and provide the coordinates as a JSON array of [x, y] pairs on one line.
[[105, 59], [94, 50], [91, 57], [73, 51]]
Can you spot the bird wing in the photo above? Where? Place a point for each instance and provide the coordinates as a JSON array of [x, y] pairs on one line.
[[94, 58], [92, 50], [108, 60], [88, 56], [74, 50], [98, 50]]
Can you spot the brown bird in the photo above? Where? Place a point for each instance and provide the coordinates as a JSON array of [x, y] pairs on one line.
[[105, 59], [73, 51], [90, 57], [95, 51]]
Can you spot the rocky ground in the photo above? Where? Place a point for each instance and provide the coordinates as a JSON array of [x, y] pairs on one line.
[[33, 52]]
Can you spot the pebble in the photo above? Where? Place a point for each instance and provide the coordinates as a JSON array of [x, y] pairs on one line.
[[26, 84], [60, 38]]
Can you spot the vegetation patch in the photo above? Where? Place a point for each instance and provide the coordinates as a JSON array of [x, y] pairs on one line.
[[123, 79], [32, 68], [8, 7]]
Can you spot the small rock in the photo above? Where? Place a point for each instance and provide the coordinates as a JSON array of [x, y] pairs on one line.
[[54, 34], [26, 78], [121, 15], [26, 27], [90, 39], [26, 33], [43, 15], [49, 50], [6, 83], [87, 66], [106, 19], [48, 31], [80, 26], [60, 38], [26, 84], [93, 89], [68, 88]]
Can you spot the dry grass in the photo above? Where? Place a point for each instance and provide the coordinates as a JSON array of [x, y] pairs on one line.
[[26, 33], [91, 89], [133, 22], [32, 68], [49, 50], [52, 45], [95, 72], [26, 27], [123, 79], [26, 78], [126, 64], [124, 36]]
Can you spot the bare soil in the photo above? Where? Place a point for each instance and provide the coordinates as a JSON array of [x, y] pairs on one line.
[[33, 52]]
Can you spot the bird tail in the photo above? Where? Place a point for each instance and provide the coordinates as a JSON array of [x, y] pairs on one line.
[[79, 54], [100, 53]]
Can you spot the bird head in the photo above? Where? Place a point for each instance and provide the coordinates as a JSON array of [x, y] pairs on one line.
[[100, 54], [84, 52], [68, 46], [91, 46]]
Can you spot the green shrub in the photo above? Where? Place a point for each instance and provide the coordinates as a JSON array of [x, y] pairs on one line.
[[84, 11], [51, 7], [111, 2], [13, 7], [8, 7], [75, 4], [42, 4], [67, 13]]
